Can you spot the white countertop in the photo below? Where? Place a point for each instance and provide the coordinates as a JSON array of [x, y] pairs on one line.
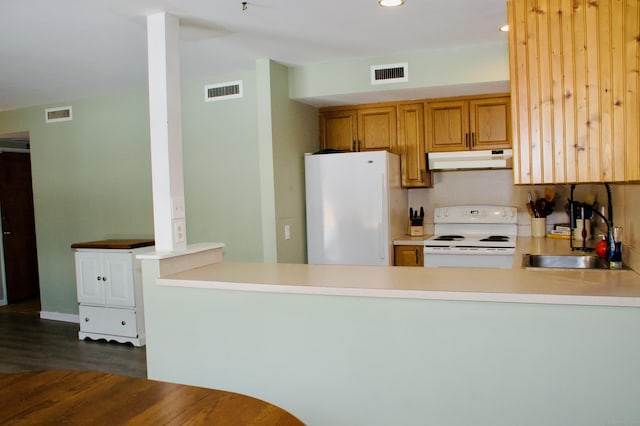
[[576, 287]]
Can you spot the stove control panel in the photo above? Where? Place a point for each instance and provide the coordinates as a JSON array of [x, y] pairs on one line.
[[476, 214]]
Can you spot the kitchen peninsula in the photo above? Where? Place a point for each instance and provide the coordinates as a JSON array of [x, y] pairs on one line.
[[384, 345]]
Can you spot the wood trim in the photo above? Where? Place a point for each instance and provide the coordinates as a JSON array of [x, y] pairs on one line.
[[409, 102]]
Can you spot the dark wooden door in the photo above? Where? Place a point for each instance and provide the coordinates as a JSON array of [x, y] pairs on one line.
[[18, 226]]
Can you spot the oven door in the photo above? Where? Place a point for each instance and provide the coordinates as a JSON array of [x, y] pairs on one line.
[[468, 257]]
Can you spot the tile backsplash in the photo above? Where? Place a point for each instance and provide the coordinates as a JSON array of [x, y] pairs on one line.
[[495, 187]]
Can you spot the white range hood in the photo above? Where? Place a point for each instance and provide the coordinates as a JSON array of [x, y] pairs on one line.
[[468, 160]]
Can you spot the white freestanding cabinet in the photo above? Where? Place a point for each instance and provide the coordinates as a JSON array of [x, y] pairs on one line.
[[109, 286]]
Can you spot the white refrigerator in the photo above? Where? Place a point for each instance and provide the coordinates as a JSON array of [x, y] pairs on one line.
[[355, 207]]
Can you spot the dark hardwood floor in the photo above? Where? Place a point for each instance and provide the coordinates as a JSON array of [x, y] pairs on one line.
[[29, 343]]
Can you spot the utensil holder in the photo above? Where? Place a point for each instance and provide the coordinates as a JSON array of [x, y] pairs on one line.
[[538, 227]]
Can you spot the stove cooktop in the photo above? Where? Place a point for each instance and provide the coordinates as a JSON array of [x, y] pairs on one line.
[[472, 240], [474, 226]]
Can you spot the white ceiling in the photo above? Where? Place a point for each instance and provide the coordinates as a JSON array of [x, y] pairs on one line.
[[53, 51]]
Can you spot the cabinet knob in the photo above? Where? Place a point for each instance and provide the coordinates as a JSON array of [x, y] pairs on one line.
[[104, 278], [123, 323], [98, 278], [466, 139], [473, 139], [86, 319]]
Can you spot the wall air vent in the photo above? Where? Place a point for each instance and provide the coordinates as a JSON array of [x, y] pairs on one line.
[[53, 115], [221, 91], [391, 73]]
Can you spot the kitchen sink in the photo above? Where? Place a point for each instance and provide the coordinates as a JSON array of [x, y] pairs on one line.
[[563, 261]]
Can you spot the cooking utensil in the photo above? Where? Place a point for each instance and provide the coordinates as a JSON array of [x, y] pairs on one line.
[[549, 194], [530, 208]]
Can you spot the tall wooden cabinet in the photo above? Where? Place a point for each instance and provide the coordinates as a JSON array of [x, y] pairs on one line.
[[574, 90], [411, 146], [468, 124], [109, 288]]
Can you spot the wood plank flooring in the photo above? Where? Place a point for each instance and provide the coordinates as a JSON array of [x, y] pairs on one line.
[[29, 343]]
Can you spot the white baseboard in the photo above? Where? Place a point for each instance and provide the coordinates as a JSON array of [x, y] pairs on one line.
[[57, 316]]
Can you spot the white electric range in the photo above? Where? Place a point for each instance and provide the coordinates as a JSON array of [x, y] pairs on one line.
[[472, 237]]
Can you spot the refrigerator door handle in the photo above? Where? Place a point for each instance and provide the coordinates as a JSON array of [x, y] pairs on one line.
[[381, 234]]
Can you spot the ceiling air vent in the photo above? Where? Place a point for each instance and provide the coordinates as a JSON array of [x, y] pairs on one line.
[[391, 73], [221, 91], [53, 115]]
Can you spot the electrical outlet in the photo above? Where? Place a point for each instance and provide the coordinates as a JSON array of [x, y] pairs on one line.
[[287, 232], [179, 231], [177, 208]]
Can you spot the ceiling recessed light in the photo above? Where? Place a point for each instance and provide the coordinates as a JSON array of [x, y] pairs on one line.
[[390, 3], [504, 28]]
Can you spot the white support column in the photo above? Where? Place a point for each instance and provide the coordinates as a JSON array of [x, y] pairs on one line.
[[166, 132]]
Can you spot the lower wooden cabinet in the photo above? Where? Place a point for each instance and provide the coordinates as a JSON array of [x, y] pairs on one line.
[[409, 255]]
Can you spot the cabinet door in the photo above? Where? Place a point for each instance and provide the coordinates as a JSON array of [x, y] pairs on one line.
[[490, 123], [575, 90], [118, 271], [377, 129], [447, 126], [411, 146], [409, 256], [89, 284], [111, 321], [338, 130]]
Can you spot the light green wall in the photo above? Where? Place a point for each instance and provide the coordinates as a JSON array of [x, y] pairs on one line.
[[295, 132], [484, 66], [333, 360], [91, 180], [221, 168]]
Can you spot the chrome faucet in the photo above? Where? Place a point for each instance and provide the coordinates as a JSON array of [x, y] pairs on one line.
[[611, 246]]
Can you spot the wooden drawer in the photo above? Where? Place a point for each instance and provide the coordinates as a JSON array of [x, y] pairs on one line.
[[113, 321]]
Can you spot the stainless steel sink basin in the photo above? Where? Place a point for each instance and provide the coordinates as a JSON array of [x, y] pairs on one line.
[[563, 261]]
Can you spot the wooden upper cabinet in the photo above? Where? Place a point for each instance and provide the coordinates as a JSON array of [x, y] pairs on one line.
[[411, 146], [574, 90], [377, 128], [490, 123], [339, 130], [360, 129], [468, 124], [447, 126]]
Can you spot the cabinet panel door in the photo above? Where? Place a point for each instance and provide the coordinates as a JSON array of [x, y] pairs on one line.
[[490, 123], [409, 256], [338, 130], [111, 321], [377, 129], [411, 146], [118, 270], [89, 284], [575, 90], [447, 126]]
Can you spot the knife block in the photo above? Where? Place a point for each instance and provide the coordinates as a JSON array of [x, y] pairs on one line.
[[416, 231]]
